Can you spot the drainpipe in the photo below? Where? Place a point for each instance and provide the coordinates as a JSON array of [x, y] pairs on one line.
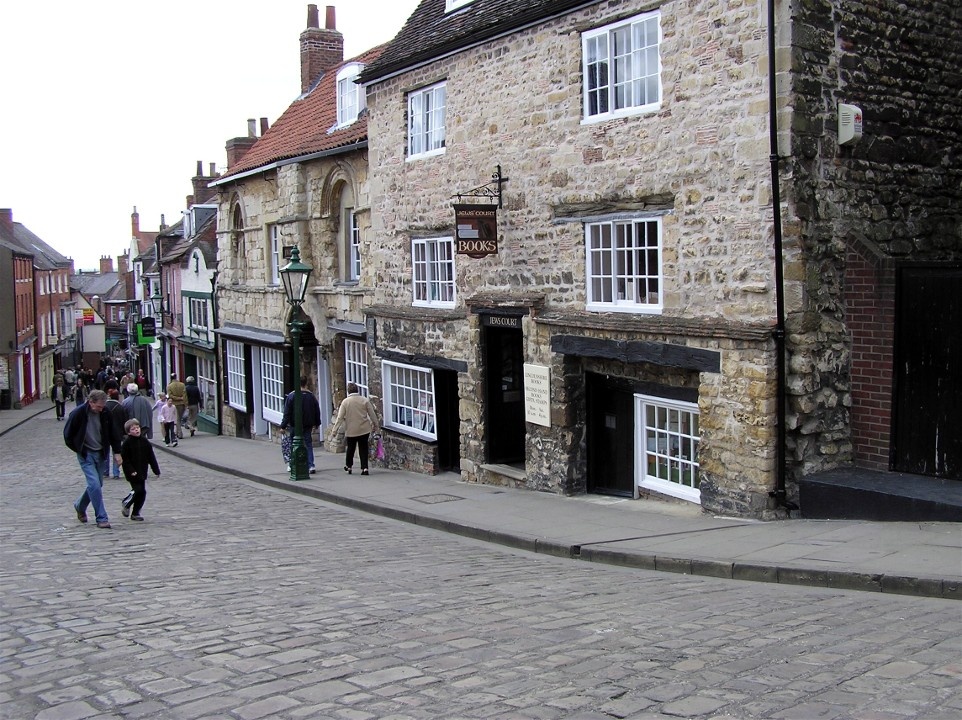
[[217, 374], [778, 334]]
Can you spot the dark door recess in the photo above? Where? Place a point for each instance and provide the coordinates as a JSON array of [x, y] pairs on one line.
[[504, 375], [611, 424], [928, 372]]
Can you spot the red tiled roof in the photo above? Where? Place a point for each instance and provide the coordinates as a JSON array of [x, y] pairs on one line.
[[303, 128]]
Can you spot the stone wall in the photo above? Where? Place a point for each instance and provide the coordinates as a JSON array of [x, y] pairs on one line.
[[701, 160], [303, 200], [707, 168], [892, 197]]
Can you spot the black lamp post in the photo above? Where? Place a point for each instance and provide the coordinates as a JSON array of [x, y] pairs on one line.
[[295, 275]]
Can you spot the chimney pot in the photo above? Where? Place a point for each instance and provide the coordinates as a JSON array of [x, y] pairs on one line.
[[312, 16], [329, 22], [200, 168], [213, 171], [264, 126], [251, 127]]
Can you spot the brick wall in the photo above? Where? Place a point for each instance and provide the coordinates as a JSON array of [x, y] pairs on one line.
[[870, 309]]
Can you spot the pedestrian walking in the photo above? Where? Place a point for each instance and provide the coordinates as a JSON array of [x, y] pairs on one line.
[[177, 391], [80, 392], [193, 403], [139, 407], [310, 419], [167, 416], [138, 456], [143, 385], [359, 419], [59, 394], [118, 416], [90, 433]]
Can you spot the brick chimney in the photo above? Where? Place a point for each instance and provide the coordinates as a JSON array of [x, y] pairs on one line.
[[122, 264], [106, 264], [202, 193], [321, 49], [135, 223], [237, 147], [6, 220]]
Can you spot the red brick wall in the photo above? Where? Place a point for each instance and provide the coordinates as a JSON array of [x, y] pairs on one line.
[[870, 310]]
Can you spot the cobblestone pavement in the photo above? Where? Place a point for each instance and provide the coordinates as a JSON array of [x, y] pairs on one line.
[[237, 601]]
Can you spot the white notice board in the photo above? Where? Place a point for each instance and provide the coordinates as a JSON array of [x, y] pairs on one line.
[[537, 394]]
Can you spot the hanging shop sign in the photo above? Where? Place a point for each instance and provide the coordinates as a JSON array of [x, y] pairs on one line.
[[476, 224], [477, 230], [146, 331]]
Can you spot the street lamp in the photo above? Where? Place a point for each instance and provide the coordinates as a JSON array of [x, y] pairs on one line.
[[295, 275]]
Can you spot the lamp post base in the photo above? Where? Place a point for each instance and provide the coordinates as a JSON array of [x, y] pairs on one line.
[[299, 466]]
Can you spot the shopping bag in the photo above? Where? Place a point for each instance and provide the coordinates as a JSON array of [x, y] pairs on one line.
[[287, 442], [379, 452]]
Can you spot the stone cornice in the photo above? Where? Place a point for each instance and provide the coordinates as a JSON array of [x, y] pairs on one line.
[[660, 325], [416, 313]]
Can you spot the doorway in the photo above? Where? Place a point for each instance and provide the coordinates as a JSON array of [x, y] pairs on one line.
[[504, 394], [928, 364], [449, 420], [610, 437]]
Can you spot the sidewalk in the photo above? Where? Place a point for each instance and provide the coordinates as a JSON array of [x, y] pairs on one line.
[[907, 558]]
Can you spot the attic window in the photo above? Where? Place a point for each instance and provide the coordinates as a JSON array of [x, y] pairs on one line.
[[350, 96], [455, 4]]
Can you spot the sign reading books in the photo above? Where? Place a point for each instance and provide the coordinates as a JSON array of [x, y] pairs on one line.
[[477, 230], [537, 394]]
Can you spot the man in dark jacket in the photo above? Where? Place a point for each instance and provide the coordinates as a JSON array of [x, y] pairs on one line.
[[310, 418], [89, 432], [193, 403]]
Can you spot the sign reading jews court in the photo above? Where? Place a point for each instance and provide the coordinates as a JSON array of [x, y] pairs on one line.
[[477, 230]]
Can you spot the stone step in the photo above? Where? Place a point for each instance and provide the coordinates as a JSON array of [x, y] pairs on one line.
[[859, 494]]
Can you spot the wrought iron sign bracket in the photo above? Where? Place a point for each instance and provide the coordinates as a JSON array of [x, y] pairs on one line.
[[489, 190]]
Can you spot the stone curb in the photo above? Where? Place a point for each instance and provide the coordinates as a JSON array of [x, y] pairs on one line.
[[754, 572]]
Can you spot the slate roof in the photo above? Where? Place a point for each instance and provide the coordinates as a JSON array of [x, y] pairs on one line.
[[303, 128], [44, 256], [430, 32]]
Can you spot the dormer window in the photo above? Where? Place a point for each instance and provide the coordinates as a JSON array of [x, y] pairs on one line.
[[455, 4], [350, 96]]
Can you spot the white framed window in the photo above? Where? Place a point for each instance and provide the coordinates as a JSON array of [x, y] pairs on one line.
[[351, 98], [272, 384], [355, 364], [207, 384], [236, 376], [432, 261], [622, 68], [354, 246], [197, 313], [623, 266], [409, 399], [450, 5], [667, 442], [275, 254], [426, 111]]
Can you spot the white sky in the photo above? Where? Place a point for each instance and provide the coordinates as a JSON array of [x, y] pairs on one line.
[[109, 104]]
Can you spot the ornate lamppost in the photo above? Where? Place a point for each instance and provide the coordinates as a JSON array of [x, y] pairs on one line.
[[295, 275]]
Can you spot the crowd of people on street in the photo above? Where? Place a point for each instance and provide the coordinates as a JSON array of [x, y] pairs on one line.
[[112, 424]]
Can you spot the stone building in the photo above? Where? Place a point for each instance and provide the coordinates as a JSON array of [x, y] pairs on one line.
[[616, 328], [303, 183]]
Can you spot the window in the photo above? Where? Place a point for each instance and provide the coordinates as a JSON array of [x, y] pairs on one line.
[[355, 364], [354, 246], [197, 314], [207, 385], [350, 96], [432, 260], [622, 68], [272, 384], [409, 399], [236, 377], [669, 439], [275, 252], [426, 121], [624, 265], [450, 5]]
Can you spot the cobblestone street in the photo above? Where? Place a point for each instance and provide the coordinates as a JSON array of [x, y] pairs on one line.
[[237, 601]]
